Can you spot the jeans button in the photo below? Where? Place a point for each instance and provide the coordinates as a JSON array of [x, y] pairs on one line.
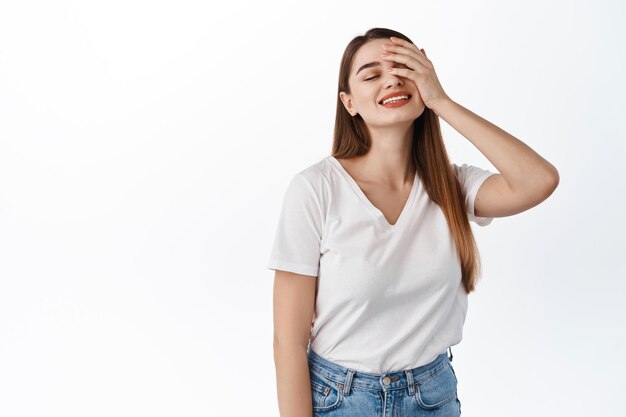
[[386, 380]]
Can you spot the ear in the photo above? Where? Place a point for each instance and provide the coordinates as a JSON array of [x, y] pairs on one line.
[[346, 99]]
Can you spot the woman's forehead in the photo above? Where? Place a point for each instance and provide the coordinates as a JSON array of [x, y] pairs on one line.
[[371, 48]]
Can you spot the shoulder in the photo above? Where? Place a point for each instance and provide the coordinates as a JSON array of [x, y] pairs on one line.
[[317, 170], [312, 182], [469, 174], [316, 176]]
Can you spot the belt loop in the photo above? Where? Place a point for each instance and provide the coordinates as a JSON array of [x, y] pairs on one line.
[[409, 381], [348, 382], [450, 357]]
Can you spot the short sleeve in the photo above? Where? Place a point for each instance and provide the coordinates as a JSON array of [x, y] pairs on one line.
[[471, 178], [298, 236]]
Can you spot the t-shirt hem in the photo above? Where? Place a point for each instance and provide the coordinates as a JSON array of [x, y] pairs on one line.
[[302, 269], [481, 221]]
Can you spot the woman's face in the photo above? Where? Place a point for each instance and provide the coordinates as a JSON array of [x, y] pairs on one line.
[[370, 82]]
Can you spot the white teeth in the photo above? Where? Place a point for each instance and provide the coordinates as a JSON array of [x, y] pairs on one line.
[[396, 98]]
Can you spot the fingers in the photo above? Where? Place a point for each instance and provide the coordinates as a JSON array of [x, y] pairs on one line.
[[411, 51], [402, 42], [410, 63], [408, 45], [408, 60], [402, 72]]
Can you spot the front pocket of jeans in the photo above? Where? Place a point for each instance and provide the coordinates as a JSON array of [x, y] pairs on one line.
[[325, 392], [436, 390]]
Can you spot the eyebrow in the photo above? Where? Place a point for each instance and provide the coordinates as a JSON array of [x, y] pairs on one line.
[[375, 64], [368, 65]]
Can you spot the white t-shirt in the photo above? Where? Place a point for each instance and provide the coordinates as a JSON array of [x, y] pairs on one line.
[[388, 297]]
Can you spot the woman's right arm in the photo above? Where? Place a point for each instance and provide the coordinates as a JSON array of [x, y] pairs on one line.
[[294, 303]]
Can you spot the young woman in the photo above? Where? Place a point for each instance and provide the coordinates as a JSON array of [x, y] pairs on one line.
[[374, 254]]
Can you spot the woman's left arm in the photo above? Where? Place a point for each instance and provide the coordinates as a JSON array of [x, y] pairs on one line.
[[525, 179]]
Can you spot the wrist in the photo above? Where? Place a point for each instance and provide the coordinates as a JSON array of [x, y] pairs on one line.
[[437, 105]]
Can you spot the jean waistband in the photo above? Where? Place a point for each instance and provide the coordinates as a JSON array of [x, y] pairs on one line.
[[390, 381]]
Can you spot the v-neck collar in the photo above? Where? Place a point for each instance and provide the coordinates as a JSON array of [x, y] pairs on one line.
[[371, 207]]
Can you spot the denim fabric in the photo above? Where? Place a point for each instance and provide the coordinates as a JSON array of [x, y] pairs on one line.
[[428, 390]]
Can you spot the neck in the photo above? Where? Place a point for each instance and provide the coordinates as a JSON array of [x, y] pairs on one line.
[[389, 161]]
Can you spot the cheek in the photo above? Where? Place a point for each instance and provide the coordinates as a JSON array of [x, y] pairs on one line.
[[368, 98]]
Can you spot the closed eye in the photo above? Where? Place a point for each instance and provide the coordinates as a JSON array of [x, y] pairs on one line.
[[395, 66]]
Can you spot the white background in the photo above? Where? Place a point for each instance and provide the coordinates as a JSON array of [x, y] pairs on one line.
[[144, 151]]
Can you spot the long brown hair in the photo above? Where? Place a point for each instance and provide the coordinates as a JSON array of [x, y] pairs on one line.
[[351, 138]]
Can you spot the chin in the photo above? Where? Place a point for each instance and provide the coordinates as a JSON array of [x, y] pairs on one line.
[[410, 114]]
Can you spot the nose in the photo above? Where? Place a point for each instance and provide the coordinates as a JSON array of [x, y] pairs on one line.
[[393, 80]]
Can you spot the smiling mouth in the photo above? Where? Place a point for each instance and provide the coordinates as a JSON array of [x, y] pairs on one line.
[[381, 102]]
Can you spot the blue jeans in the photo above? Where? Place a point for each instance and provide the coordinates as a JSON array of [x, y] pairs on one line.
[[428, 390]]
